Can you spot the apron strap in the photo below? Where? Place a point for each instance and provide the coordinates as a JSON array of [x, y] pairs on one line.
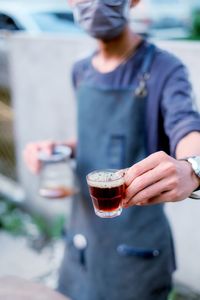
[[141, 90], [146, 67]]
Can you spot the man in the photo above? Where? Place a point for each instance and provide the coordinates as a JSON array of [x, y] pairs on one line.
[[133, 102]]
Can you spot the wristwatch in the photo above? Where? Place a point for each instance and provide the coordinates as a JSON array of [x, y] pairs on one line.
[[195, 163]]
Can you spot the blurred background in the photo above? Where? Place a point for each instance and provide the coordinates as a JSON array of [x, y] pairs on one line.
[[38, 44]]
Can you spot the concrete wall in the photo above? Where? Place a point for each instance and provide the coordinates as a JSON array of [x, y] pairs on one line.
[[43, 100], [45, 109]]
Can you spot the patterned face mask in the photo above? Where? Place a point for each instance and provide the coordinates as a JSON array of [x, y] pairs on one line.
[[102, 19]]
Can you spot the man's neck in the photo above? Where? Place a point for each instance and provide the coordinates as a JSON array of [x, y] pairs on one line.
[[111, 53]]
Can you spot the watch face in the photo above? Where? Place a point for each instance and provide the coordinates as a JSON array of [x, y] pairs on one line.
[[195, 162], [195, 195]]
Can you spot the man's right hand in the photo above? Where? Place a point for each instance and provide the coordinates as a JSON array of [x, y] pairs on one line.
[[31, 154]]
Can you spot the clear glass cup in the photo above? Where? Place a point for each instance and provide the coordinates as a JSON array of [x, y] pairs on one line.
[[57, 179], [107, 190]]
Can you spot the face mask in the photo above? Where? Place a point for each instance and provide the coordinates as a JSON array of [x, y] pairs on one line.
[[102, 19]]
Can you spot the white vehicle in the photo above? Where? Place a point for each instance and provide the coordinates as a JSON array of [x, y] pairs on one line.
[[32, 17], [162, 18], [37, 17]]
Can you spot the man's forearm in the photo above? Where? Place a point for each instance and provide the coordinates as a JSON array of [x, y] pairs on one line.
[[189, 146]]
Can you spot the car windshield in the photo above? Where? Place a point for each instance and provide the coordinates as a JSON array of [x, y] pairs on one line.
[[55, 21], [166, 1]]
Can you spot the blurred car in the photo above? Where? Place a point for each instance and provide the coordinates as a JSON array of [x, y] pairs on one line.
[[163, 18], [33, 18], [37, 17]]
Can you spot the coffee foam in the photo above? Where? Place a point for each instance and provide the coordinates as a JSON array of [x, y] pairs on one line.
[[105, 179]]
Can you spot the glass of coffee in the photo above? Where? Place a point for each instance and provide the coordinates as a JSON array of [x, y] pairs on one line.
[[107, 190]]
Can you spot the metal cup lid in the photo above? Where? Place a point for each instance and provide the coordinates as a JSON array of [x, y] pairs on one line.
[[59, 153]]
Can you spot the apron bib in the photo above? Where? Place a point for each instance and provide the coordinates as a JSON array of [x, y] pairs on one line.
[[129, 257]]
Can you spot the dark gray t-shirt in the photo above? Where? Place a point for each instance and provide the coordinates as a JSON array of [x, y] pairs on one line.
[[171, 112]]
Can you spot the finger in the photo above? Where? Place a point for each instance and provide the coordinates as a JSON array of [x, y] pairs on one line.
[[32, 162], [71, 143], [122, 172], [144, 166], [47, 146], [163, 170], [30, 156], [163, 198], [164, 185]]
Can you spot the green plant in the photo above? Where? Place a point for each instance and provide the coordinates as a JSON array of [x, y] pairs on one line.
[[16, 221], [51, 230], [172, 295], [11, 218], [196, 24], [180, 293]]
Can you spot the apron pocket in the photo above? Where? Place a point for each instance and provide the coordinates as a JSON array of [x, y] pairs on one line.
[[125, 250], [116, 151]]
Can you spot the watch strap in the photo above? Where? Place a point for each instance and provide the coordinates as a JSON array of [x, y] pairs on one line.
[[195, 195]]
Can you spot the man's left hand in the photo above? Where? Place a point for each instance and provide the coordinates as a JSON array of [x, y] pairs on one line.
[[159, 178]]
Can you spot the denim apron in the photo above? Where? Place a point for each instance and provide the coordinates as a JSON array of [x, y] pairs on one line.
[[130, 257]]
